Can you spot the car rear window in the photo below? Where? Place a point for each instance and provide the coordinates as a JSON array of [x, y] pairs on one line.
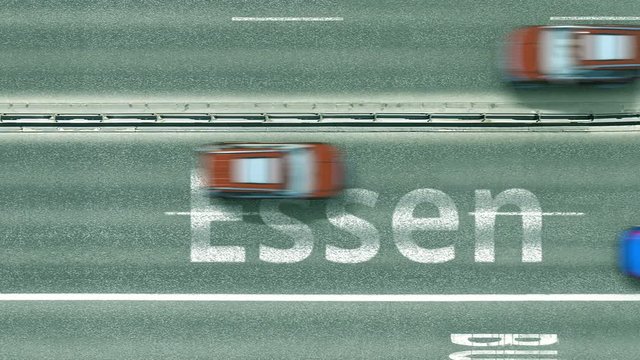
[[609, 47], [256, 171]]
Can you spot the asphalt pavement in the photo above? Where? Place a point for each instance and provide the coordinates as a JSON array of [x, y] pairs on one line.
[[122, 212], [427, 213], [443, 53]]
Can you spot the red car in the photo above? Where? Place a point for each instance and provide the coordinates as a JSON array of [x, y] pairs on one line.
[[257, 170], [573, 54]]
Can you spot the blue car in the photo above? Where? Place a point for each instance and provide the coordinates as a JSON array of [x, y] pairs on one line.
[[630, 252]]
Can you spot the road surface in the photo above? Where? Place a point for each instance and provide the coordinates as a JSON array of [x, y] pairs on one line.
[[442, 53], [121, 212]]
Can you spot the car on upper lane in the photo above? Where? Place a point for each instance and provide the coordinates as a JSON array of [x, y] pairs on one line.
[[573, 54], [261, 170], [630, 252]]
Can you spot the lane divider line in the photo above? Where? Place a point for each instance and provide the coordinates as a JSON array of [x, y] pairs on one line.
[[519, 213], [514, 213], [242, 18], [214, 213], [607, 18], [422, 298]]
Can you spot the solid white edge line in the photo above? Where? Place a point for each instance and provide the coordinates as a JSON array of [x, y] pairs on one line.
[[425, 298], [241, 18], [608, 18]]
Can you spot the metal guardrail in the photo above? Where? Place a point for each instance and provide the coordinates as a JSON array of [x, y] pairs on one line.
[[315, 119]]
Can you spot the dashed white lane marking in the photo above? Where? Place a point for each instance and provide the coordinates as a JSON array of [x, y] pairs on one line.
[[443, 298], [516, 213], [239, 18], [607, 18], [189, 213]]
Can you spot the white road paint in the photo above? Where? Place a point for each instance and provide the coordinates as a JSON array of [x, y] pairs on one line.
[[342, 298], [485, 216], [171, 213], [366, 232], [404, 224], [507, 213], [316, 19], [589, 18], [524, 213], [504, 339], [202, 215], [471, 354], [205, 211], [296, 231]]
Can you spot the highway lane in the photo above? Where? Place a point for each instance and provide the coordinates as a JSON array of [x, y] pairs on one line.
[[109, 213], [307, 330], [86, 212], [380, 52]]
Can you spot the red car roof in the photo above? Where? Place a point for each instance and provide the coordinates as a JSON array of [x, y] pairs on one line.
[[589, 42], [221, 169], [221, 166]]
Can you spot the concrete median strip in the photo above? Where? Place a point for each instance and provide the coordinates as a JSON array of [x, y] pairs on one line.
[[329, 119]]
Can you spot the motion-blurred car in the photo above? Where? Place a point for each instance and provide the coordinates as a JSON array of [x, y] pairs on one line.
[[582, 54], [630, 252], [257, 170]]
